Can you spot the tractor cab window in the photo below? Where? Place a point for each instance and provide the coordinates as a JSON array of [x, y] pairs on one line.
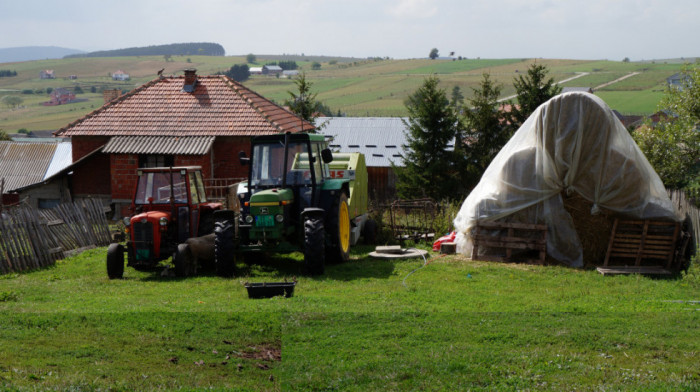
[[155, 187], [193, 188], [200, 187], [267, 166]]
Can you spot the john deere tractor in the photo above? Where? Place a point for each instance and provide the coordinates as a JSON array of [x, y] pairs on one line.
[[299, 197]]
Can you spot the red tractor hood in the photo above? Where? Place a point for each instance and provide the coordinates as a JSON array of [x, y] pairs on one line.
[[151, 216]]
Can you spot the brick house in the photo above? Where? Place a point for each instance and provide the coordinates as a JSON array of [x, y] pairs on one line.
[[60, 96], [172, 121]]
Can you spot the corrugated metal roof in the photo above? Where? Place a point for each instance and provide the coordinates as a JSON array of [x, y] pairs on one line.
[[381, 139], [62, 158], [23, 164], [192, 145]]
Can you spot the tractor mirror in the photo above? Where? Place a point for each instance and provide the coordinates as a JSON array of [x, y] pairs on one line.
[[242, 158], [326, 155]]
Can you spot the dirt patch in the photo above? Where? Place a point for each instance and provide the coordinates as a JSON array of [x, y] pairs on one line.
[[264, 353]]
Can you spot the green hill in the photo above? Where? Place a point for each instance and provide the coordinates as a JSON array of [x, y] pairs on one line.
[[355, 87]]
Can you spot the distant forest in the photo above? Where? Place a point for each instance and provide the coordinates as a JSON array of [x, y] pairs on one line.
[[185, 49]]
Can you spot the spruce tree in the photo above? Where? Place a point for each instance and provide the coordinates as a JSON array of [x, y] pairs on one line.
[[486, 129], [532, 91], [429, 167], [303, 103]]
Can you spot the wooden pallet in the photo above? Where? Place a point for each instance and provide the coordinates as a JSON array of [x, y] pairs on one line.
[[638, 245], [510, 236]]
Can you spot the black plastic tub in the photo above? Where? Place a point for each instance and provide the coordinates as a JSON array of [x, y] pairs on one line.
[[270, 289]]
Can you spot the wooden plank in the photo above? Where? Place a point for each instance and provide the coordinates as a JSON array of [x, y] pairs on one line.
[[486, 237], [611, 242], [506, 225], [625, 270]]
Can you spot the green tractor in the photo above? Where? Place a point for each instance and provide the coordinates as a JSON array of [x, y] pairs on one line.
[[299, 197]]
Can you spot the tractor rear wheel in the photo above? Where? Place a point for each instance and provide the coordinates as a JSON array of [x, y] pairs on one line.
[[339, 230], [184, 264], [115, 261], [225, 248], [314, 244]]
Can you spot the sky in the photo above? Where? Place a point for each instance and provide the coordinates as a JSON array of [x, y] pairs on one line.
[[398, 29]]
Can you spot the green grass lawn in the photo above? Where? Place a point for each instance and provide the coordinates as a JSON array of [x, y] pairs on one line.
[[365, 325]]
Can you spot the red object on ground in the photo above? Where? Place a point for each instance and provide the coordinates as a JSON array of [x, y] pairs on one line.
[[445, 238]]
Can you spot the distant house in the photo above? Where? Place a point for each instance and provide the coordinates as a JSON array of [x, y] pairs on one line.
[[271, 70], [255, 70], [678, 80], [29, 170], [588, 90], [47, 74], [380, 139], [60, 96], [171, 121], [290, 73], [120, 75]]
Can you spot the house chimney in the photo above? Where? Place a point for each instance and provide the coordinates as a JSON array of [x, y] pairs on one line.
[[111, 95], [190, 80]]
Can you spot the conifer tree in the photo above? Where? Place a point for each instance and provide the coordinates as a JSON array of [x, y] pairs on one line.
[[429, 165], [532, 90], [486, 129]]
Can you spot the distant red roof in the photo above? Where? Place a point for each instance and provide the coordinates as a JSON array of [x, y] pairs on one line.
[[219, 106]]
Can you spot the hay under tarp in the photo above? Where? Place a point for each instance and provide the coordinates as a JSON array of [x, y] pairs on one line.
[[572, 166]]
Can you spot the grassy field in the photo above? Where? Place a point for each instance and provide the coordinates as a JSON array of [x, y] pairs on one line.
[[355, 87], [451, 324]]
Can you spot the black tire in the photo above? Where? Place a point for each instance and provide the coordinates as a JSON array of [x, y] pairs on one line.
[[225, 248], [184, 265], [115, 261], [369, 232], [314, 244], [338, 226], [206, 225]]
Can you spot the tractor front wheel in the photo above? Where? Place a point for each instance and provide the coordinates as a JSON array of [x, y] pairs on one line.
[[115, 261], [225, 248], [339, 230], [314, 244]]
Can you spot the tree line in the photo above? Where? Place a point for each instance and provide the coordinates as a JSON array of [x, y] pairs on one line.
[[4, 73], [180, 49], [450, 143]]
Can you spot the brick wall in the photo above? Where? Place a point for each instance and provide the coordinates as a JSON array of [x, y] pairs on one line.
[[226, 150], [123, 174], [92, 177], [83, 145], [195, 160]]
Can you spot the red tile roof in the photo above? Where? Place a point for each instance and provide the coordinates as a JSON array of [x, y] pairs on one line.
[[219, 106]]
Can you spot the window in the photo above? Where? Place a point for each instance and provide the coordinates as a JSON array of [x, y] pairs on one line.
[[156, 160]]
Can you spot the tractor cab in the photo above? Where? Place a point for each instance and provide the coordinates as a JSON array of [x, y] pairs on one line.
[[285, 178], [169, 206]]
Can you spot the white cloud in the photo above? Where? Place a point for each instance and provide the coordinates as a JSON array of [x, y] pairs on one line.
[[412, 9]]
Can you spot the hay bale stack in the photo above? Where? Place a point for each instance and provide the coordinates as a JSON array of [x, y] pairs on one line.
[[593, 230]]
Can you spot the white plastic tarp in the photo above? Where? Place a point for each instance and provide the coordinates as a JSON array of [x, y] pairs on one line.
[[571, 143]]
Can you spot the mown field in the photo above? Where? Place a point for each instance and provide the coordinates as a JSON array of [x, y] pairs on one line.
[[355, 87], [450, 324]]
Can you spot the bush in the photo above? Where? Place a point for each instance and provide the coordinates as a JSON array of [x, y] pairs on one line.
[[691, 276], [28, 91]]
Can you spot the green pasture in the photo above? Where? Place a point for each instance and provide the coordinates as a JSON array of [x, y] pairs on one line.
[[446, 324], [356, 87]]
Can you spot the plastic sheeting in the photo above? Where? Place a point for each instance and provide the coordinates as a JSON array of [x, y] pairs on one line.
[[571, 143]]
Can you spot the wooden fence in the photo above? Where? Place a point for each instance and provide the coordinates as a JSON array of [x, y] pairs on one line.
[[689, 211], [31, 238]]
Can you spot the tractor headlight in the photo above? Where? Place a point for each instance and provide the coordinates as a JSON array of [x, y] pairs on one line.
[[279, 218], [163, 221], [127, 221], [249, 219]]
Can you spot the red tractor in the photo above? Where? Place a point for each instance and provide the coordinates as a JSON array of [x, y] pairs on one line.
[[169, 206]]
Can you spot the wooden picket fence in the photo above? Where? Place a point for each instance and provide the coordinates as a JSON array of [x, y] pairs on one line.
[[32, 239]]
